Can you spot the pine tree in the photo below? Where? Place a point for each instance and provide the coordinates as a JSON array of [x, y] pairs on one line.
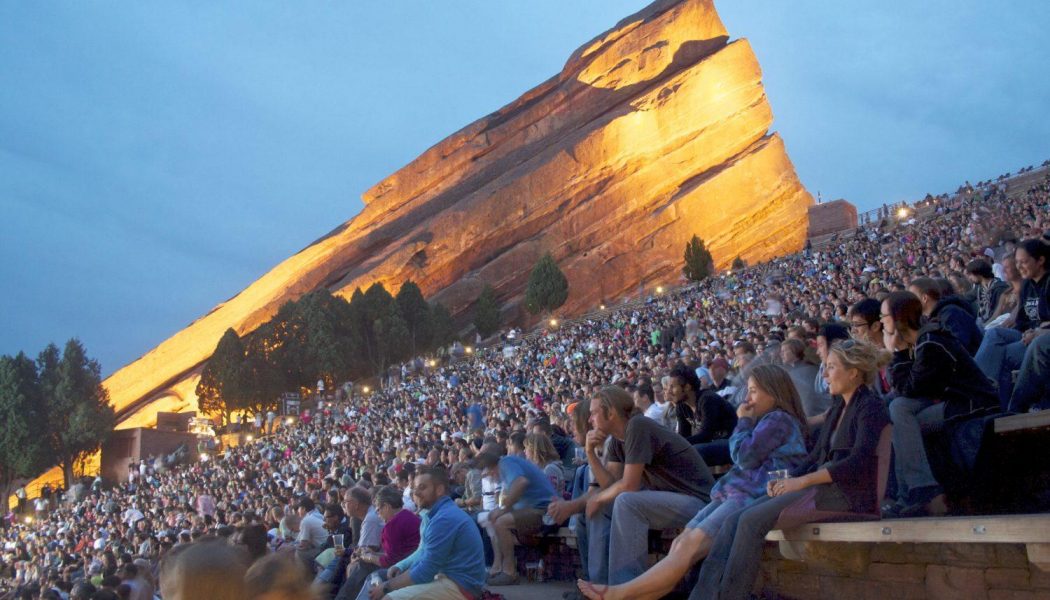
[[416, 313], [21, 447], [487, 312], [698, 261], [78, 416], [739, 264], [547, 288], [442, 328], [222, 386]]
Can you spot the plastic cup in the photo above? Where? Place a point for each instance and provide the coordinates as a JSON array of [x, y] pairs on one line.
[[778, 474], [337, 540]]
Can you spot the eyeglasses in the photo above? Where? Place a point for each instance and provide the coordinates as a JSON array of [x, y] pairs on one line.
[[859, 324]]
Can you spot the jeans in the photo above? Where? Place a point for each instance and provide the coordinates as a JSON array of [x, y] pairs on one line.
[[911, 419], [1000, 353], [715, 452], [711, 517], [729, 570], [1033, 382], [355, 580], [376, 577], [578, 522], [626, 524]]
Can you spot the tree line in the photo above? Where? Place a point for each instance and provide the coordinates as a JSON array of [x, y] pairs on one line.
[[320, 337], [54, 410]]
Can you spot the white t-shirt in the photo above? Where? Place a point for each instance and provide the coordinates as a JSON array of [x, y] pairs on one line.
[[490, 489], [658, 412], [312, 531]]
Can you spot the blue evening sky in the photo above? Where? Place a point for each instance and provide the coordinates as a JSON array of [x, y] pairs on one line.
[[155, 158]]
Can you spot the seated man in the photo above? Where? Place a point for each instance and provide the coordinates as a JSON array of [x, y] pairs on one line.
[[939, 303], [526, 493], [449, 562], [312, 532], [655, 480]]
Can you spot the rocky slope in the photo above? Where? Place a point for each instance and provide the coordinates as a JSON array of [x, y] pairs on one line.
[[656, 130]]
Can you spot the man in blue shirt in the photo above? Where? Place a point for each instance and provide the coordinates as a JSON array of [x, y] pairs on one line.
[[526, 493], [450, 561]]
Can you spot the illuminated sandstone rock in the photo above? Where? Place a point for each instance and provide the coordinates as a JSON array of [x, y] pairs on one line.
[[654, 131]]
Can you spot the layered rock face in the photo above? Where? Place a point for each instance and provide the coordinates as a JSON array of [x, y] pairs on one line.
[[654, 131]]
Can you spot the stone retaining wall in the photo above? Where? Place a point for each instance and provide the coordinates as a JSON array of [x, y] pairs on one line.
[[888, 571]]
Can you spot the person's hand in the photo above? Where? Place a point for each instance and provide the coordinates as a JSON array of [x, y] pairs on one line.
[[594, 440], [1033, 333], [779, 487], [594, 506], [893, 341], [392, 572], [746, 409], [459, 502], [376, 592], [339, 551], [560, 510], [495, 514]]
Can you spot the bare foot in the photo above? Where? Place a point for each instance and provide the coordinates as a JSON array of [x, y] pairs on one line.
[[592, 590]]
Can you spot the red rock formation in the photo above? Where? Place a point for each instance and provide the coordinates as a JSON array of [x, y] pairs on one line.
[[656, 130]]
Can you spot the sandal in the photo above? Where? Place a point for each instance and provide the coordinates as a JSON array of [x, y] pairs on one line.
[[587, 586]]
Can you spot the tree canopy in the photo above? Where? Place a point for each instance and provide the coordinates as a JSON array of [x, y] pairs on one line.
[[487, 312], [547, 288], [698, 262]]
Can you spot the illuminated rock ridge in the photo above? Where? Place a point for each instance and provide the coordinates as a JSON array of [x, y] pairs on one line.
[[656, 130]]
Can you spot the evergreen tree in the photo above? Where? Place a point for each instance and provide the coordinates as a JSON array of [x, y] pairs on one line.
[[222, 387], [739, 264], [21, 445], [263, 379], [698, 261], [384, 333], [487, 312], [78, 416], [442, 328], [416, 314], [547, 288]]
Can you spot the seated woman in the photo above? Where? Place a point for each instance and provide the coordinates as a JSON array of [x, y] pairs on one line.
[[935, 379], [769, 436], [539, 449], [1003, 349], [837, 481]]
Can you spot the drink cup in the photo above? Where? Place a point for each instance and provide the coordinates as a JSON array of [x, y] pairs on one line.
[[337, 540], [778, 474], [580, 455]]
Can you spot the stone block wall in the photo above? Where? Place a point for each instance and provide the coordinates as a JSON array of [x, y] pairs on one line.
[[831, 217], [903, 572]]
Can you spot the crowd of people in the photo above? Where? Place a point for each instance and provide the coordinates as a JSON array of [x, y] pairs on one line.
[[802, 380]]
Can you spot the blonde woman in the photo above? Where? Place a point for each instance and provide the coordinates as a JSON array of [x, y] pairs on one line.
[[540, 450]]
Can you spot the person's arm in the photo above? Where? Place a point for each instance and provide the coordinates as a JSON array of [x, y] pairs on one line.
[[604, 474], [752, 443], [510, 497], [630, 482], [437, 545], [924, 371]]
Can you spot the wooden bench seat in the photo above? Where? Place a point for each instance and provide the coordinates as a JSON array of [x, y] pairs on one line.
[[1023, 422], [1031, 530]]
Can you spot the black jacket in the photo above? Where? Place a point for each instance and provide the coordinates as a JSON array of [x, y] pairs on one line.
[[987, 299], [958, 317], [715, 419], [939, 368], [848, 450]]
